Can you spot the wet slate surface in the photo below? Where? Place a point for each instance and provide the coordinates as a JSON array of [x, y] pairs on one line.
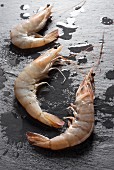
[[78, 27]]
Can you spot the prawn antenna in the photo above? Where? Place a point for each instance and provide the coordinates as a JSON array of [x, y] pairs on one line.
[[101, 52], [77, 6], [55, 68], [42, 83]]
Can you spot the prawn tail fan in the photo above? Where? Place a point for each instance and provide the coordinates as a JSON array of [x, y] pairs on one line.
[[38, 140]]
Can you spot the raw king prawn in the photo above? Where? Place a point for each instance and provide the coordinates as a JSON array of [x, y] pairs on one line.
[[25, 35], [30, 79], [82, 122]]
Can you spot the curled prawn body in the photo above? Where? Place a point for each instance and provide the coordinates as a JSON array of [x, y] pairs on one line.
[[29, 80], [82, 123], [25, 35]]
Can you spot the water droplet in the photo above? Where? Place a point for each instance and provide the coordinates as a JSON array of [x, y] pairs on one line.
[[69, 25], [110, 74], [77, 12], [77, 8], [24, 15], [109, 93], [6, 93], [81, 47], [101, 41], [24, 7], [2, 5], [80, 6], [82, 60], [7, 40], [108, 124], [67, 30], [106, 21]]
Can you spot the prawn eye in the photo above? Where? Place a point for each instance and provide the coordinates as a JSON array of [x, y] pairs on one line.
[[48, 5], [92, 74]]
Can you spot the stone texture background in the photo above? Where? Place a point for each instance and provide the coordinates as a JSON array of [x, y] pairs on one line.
[[98, 151]]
